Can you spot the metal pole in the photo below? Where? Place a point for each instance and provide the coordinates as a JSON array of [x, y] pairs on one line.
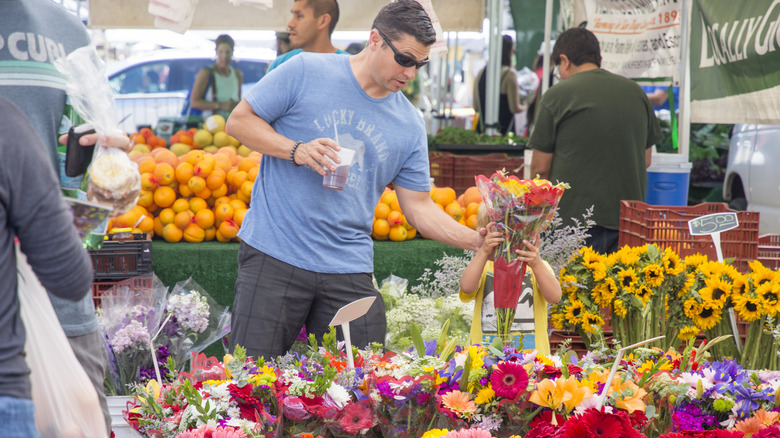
[[493, 70], [685, 80], [548, 12]]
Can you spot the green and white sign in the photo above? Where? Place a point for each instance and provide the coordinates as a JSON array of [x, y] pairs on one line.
[[735, 61]]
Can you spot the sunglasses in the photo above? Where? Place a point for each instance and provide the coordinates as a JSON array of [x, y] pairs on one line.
[[400, 58]]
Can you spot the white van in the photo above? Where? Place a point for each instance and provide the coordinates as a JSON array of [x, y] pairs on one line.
[[752, 179]]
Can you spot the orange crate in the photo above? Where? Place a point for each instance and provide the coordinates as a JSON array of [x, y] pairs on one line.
[[467, 167], [101, 287], [667, 226], [769, 250], [441, 168]]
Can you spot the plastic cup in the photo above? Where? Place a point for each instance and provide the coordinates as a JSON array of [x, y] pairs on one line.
[[337, 180]]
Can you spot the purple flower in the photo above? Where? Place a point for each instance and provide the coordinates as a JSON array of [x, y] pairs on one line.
[[690, 417], [294, 409], [749, 398]]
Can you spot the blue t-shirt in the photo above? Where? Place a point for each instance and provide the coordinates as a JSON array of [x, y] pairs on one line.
[[675, 90], [292, 217], [287, 55]]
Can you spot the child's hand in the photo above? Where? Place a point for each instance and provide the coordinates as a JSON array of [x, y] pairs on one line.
[[492, 240], [531, 255]]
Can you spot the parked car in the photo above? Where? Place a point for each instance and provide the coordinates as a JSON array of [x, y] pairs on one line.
[[155, 86], [752, 181]]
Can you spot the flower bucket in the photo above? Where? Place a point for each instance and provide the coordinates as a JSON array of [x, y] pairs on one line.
[[404, 407], [117, 404]]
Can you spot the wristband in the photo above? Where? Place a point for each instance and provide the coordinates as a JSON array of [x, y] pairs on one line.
[[292, 153]]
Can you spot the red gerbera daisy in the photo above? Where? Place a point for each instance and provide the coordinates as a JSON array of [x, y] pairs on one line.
[[355, 418], [601, 424], [509, 379]]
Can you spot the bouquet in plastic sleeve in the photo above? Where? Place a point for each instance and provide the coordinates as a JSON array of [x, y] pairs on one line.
[[114, 179], [521, 210], [192, 321], [129, 318]]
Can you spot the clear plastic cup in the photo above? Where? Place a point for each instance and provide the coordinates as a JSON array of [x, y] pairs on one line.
[[337, 180]]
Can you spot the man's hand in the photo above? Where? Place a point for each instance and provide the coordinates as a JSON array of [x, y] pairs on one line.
[[314, 152], [119, 141]]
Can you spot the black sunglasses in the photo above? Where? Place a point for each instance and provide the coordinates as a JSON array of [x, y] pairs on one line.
[[400, 58]]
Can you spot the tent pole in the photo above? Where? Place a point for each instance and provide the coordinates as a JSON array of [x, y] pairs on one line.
[[493, 70], [685, 81], [548, 12]]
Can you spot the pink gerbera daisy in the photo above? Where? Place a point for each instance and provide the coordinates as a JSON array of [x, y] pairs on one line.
[[509, 379], [459, 403], [355, 418]]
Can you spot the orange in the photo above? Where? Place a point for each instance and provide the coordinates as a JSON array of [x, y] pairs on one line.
[[381, 210], [246, 164], [205, 193], [146, 225], [230, 175], [229, 151], [146, 132], [148, 182], [238, 216], [255, 156], [211, 233], [444, 195], [158, 226], [163, 155], [198, 204], [395, 218], [186, 139], [164, 173], [126, 220], [395, 205], [471, 195], [193, 156], [137, 139], [380, 228], [397, 233], [164, 196], [183, 218], [146, 164], [471, 221], [462, 221], [205, 165], [180, 205], [246, 188], [184, 171], [204, 218], [454, 210], [227, 229], [440, 206], [411, 234], [219, 191], [238, 179], [237, 203], [216, 178], [223, 162], [222, 200], [166, 216], [193, 233], [388, 197], [196, 184], [241, 196], [171, 233], [471, 209], [146, 198], [223, 212], [185, 191], [252, 174]]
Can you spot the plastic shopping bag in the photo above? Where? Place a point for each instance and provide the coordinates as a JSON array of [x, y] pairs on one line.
[[66, 404]]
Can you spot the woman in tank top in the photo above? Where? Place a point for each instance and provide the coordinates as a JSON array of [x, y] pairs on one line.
[[217, 88]]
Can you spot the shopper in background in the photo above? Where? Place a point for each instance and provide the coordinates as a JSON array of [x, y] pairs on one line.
[[32, 210], [595, 131], [307, 251], [32, 83], [282, 43], [217, 88], [538, 68], [509, 98], [311, 27]]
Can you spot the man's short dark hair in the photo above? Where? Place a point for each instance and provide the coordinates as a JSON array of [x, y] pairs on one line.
[[579, 45], [225, 39], [322, 7], [405, 17]]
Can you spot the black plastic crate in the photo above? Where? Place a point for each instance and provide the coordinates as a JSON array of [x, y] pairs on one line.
[[120, 259]]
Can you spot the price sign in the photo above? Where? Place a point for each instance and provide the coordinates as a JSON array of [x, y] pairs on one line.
[[713, 223]]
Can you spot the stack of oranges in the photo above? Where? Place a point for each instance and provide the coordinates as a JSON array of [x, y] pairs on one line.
[[199, 196], [391, 224]]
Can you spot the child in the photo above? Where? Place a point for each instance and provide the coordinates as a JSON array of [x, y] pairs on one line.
[[539, 288]]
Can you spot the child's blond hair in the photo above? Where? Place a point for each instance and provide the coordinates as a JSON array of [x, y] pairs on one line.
[[482, 216]]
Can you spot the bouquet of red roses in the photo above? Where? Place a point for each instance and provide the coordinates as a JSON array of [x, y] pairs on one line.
[[521, 210]]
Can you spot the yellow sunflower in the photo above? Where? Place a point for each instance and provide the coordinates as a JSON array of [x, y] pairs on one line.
[[603, 293], [760, 273], [599, 271], [688, 332], [618, 308], [654, 275], [691, 307], [573, 312], [671, 262], [709, 314], [690, 279], [628, 256], [485, 395], [770, 295], [749, 309], [693, 261], [715, 289], [740, 287], [627, 279], [557, 320], [643, 293], [591, 322]]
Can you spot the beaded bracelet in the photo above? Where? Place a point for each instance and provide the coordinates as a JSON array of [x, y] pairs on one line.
[[292, 153]]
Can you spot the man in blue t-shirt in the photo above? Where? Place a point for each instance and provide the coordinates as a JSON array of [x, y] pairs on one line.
[[306, 251], [311, 26]]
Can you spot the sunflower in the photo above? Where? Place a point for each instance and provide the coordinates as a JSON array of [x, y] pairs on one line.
[[654, 275], [749, 309], [599, 271], [709, 314], [690, 279], [768, 292], [688, 332], [643, 294], [671, 262], [557, 319], [591, 322], [740, 287], [627, 279], [628, 256], [485, 395], [693, 261], [618, 308], [713, 269], [569, 283], [760, 273], [715, 289], [508, 379], [604, 292], [691, 307], [573, 312]]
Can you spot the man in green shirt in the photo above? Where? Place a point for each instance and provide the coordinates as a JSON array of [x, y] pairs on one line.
[[593, 130]]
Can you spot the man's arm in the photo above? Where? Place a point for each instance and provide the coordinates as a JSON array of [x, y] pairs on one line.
[[257, 134], [540, 164], [648, 156], [432, 222]]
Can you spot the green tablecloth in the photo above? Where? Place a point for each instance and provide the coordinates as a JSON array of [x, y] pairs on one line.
[[214, 265]]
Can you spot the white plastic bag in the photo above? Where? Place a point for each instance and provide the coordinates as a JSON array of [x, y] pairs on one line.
[[263, 5], [527, 83], [66, 404], [175, 15]]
